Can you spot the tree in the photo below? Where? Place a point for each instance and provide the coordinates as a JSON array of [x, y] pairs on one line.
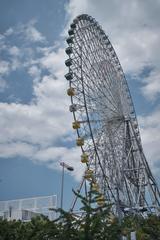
[[96, 222]]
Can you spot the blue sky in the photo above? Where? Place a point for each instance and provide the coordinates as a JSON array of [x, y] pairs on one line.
[[35, 122], [19, 176]]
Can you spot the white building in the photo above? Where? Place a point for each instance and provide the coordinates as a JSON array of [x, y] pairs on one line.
[[27, 208]]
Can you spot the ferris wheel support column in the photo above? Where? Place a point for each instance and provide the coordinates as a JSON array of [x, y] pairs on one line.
[[119, 210], [105, 120]]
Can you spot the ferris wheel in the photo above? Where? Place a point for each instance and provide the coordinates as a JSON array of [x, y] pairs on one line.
[[105, 121]]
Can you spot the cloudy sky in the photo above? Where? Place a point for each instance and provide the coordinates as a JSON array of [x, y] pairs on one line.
[[35, 123]]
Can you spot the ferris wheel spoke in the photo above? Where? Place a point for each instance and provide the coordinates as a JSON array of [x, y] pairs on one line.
[[94, 50], [100, 90], [101, 46], [94, 99], [102, 106], [92, 37], [103, 135], [104, 84], [86, 56], [92, 67], [91, 108]]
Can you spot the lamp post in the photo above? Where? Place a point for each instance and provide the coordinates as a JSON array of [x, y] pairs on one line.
[[69, 168]]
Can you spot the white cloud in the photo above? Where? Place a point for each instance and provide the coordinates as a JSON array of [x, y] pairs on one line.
[[21, 55], [26, 31], [32, 33], [35, 130], [36, 123], [54, 155], [133, 28], [150, 133], [4, 67], [32, 130], [15, 149], [50, 157], [35, 72], [9, 32], [54, 62], [3, 84], [151, 90], [40, 129], [15, 64], [14, 51]]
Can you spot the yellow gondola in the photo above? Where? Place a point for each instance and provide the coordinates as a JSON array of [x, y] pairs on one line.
[[84, 158], [76, 125], [112, 218], [95, 187], [100, 203], [88, 174], [82, 226], [71, 92], [100, 200], [80, 141]]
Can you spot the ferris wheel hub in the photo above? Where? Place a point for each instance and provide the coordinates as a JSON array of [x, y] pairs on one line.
[[105, 120]]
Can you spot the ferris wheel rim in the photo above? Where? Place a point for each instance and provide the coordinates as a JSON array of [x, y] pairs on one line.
[[129, 118], [118, 66], [90, 19]]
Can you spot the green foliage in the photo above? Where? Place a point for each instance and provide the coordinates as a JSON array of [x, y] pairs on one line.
[[146, 228], [150, 228], [37, 228], [95, 223]]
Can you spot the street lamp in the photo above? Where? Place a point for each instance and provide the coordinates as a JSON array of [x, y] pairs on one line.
[[69, 168]]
